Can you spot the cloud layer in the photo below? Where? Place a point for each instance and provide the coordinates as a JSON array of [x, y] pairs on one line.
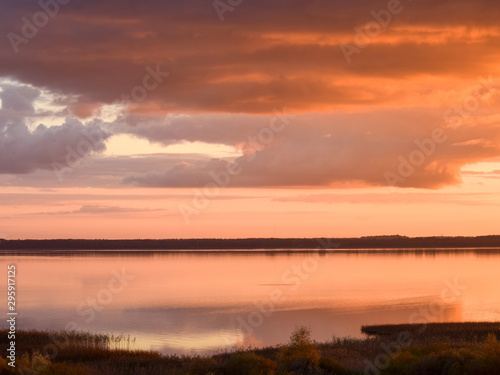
[[365, 120], [408, 148], [264, 54]]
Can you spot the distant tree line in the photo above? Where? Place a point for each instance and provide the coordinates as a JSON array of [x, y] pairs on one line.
[[373, 242]]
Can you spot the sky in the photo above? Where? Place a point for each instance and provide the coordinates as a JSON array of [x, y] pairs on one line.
[[238, 118]]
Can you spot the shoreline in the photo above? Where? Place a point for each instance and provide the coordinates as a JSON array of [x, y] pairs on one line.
[[328, 244], [135, 252]]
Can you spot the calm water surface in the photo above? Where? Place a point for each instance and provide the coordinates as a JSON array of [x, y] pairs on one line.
[[185, 303]]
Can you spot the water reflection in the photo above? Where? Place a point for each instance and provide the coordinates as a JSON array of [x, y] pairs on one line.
[[185, 302]]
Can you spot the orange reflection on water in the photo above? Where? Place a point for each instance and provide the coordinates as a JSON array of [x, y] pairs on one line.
[[181, 302]]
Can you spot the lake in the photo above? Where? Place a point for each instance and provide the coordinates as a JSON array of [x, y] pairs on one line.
[[200, 302]]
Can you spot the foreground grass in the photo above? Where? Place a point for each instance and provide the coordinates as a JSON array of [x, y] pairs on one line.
[[461, 348]]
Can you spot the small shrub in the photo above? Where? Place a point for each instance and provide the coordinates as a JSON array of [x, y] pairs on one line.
[[301, 356], [332, 367], [249, 364], [201, 366], [38, 364]]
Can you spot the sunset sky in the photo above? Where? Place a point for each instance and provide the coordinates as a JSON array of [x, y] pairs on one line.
[[249, 118]]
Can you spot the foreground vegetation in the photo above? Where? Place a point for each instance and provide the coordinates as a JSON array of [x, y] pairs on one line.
[[454, 349]]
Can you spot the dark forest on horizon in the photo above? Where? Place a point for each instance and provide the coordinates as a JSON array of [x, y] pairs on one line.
[[369, 242]]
